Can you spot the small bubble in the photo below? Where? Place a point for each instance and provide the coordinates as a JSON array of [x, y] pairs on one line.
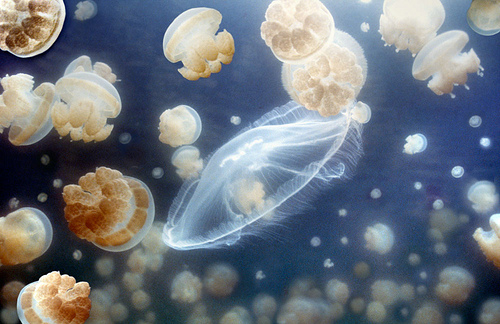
[[57, 183], [376, 193], [417, 185], [457, 171], [485, 142], [328, 263], [42, 197], [235, 120], [315, 241], [437, 204], [125, 138], [157, 173], [77, 255], [45, 159], [475, 121]]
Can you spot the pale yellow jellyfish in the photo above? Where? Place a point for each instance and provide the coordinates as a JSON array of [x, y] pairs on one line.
[[186, 287], [220, 280], [410, 24], [9, 293], [54, 299], [248, 195], [85, 10], [361, 112], [297, 29], [337, 291], [428, 313], [179, 126], [490, 311], [483, 195], [385, 292], [264, 307], [305, 310], [25, 234], [30, 27], [192, 39], [24, 110], [455, 285], [236, 315], [187, 161], [112, 211], [84, 64], [379, 238], [415, 143], [489, 241], [376, 312], [442, 59], [483, 17]]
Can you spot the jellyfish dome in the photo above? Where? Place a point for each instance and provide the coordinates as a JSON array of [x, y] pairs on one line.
[[85, 10], [187, 161], [84, 64], [179, 126], [258, 173], [483, 17], [489, 241]]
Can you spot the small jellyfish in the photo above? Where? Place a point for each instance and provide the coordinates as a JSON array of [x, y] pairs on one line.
[[337, 291], [235, 120], [455, 285], [84, 64], [490, 311], [457, 171], [186, 288], [25, 234], [385, 292], [376, 312], [361, 112], [489, 241], [140, 300], [191, 38], [179, 126], [416, 143], [475, 121], [485, 142], [237, 314], [264, 306], [54, 298], [85, 10], [220, 280], [30, 27], [442, 59], [112, 211], [379, 238], [483, 17], [187, 161], [483, 195], [365, 27]]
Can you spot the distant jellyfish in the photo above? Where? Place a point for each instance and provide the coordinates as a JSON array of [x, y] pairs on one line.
[[416, 143], [429, 312], [264, 306], [483, 195], [179, 126], [24, 110], [337, 291], [490, 311], [410, 24], [186, 288], [54, 298], [9, 293], [376, 312], [489, 241], [220, 280], [140, 300], [31, 27], [84, 64], [442, 59], [112, 211], [455, 285], [457, 171], [192, 39], [365, 27], [85, 10], [475, 121], [361, 112], [385, 292], [483, 17], [235, 120], [238, 315], [379, 238], [187, 161], [25, 234]]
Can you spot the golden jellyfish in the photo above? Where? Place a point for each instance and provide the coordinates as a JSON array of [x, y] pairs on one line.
[[113, 211], [489, 241], [30, 27], [297, 29], [84, 64], [54, 298], [187, 161], [24, 110], [179, 126], [455, 285], [379, 238], [25, 234], [186, 287], [192, 39], [220, 280], [85, 10], [483, 17], [483, 196]]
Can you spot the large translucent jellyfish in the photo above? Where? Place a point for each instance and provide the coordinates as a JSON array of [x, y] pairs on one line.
[[442, 59], [187, 161], [30, 27], [410, 24], [84, 64], [85, 10], [258, 173], [483, 195], [489, 241], [179, 126], [25, 234], [416, 143], [54, 299], [112, 211], [483, 17], [455, 285], [297, 29], [24, 110], [191, 38]]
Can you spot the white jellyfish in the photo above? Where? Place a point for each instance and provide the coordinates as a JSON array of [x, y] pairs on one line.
[[84, 64], [416, 143], [483, 17], [187, 161], [361, 112], [483, 195], [455, 285], [379, 238], [337, 291], [490, 311], [85, 10], [376, 312], [489, 241], [179, 126], [186, 287]]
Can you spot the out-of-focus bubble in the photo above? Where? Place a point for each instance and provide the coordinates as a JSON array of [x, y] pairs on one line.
[[259, 275], [125, 138], [475, 121], [157, 173], [365, 27], [42, 197], [417, 185], [13, 203], [315, 241], [457, 171], [77, 255], [485, 142], [437, 204], [328, 263], [376, 193], [235, 120]]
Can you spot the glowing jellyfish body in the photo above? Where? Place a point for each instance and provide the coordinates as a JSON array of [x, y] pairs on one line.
[[483, 195], [416, 143], [256, 173], [410, 24], [442, 59], [187, 161], [110, 210], [85, 10], [179, 126], [84, 64], [489, 241], [379, 238], [483, 17], [191, 38]]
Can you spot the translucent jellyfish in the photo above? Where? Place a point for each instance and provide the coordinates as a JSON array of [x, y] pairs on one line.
[[187, 161], [442, 59], [483, 17], [84, 64], [264, 306], [304, 310], [9, 293], [297, 29], [54, 298], [255, 174], [337, 291], [186, 288], [385, 292], [428, 313], [416, 143], [379, 238], [179, 126], [140, 300], [329, 81], [238, 315], [191, 38], [483, 195], [410, 24], [30, 27], [490, 311], [112, 211], [489, 241], [85, 10], [220, 280], [455, 285], [25, 234], [24, 110], [376, 312], [361, 112]]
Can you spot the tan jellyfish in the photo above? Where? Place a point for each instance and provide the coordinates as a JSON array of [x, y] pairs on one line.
[[416, 143], [112, 211], [186, 288], [220, 280], [179, 126], [85, 10], [489, 241], [483, 195], [483, 17], [30, 27], [455, 285], [379, 238], [84, 64], [191, 38], [187, 161]]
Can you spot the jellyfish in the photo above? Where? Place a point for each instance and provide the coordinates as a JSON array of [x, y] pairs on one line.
[[186, 287], [191, 38], [337, 291], [220, 280], [483, 195], [385, 292], [112, 211], [379, 238], [489, 241], [298, 29], [483, 17], [455, 285], [257, 173], [238, 315], [416, 143], [361, 112], [429, 312], [179, 126], [24, 110], [54, 298], [490, 311], [376, 312], [25, 234], [30, 27], [84, 64], [85, 10], [264, 306], [410, 24], [442, 59], [187, 161]]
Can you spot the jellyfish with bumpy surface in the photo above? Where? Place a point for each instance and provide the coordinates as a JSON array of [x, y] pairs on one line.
[[483, 195], [442, 59], [489, 241], [179, 126], [85, 10], [410, 24], [416, 143], [187, 161], [25, 234], [54, 298], [379, 238], [260, 173], [84, 64], [483, 17], [112, 211], [191, 38]]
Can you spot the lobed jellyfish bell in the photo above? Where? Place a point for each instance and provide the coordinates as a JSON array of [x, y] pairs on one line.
[[179, 126], [489, 241], [379, 238], [361, 112], [416, 143], [112, 211], [442, 59], [84, 64], [483, 196], [258, 173], [483, 17], [25, 234], [85, 10], [192, 39], [30, 27], [187, 161]]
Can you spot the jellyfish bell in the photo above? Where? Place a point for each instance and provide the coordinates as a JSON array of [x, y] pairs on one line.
[[361, 112], [483, 195], [489, 241], [483, 17], [84, 64], [179, 126], [187, 161], [85, 10], [416, 143]]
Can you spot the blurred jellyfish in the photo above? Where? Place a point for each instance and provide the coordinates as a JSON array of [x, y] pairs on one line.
[[105, 266], [490, 311], [304, 310], [25, 234], [455, 285], [362, 270], [483, 17], [84, 64], [410, 24], [475, 121], [416, 143], [112, 211], [485, 142], [428, 313], [118, 312], [489, 241], [236, 315], [315, 241], [385, 292], [483, 195], [140, 300], [54, 299], [9, 293], [186, 288], [357, 305], [376, 312], [365, 27], [30, 27], [337, 291], [85, 10], [361, 112], [457, 171], [157, 173], [191, 38], [220, 280], [379, 238], [235, 120], [376, 193], [187, 161], [264, 306], [179, 126], [442, 59]]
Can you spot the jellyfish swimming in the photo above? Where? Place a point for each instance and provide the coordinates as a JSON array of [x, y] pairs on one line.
[[179, 126], [191, 38], [483, 196], [489, 241], [258, 173], [113, 211], [84, 64], [187, 161], [85, 10], [416, 143], [483, 17]]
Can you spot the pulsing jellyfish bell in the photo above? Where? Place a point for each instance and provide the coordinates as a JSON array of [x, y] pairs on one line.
[[483, 17]]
